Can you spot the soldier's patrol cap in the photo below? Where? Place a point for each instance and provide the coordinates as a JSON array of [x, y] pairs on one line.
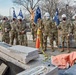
[[47, 14], [19, 17], [63, 16], [4, 18], [14, 18]]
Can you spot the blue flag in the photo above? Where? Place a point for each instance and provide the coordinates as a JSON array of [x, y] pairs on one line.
[[37, 15], [20, 13], [14, 14], [56, 17]]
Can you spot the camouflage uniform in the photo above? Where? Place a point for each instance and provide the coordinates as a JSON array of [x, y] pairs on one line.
[[6, 27], [22, 37], [14, 34], [33, 30], [74, 30], [50, 30], [66, 29]]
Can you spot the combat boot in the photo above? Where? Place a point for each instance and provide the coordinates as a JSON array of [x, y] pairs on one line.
[[52, 48], [62, 47], [68, 50], [44, 49], [68, 47], [44, 46]]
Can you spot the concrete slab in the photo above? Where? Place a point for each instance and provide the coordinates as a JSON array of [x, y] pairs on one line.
[[27, 53], [20, 53], [41, 70]]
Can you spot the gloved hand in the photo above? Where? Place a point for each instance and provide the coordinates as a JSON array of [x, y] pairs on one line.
[[6, 30], [22, 32]]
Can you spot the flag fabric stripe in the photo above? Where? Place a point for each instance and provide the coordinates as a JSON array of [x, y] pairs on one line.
[[14, 14], [20, 13], [56, 17], [37, 15]]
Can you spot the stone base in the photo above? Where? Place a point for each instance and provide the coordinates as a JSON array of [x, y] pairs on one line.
[[41, 70]]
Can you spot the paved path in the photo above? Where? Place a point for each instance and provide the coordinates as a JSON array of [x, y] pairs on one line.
[[49, 52]]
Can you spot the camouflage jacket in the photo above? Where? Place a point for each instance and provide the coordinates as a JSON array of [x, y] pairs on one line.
[[50, 26], [74, 28], [21, 27], [13, 26], [5, 25], [66, 27]]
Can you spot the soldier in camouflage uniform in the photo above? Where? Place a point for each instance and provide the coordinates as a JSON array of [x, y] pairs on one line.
[[33, 29], [66, 29], [50, 30], [21, 29], [5, 27], [14, 34]]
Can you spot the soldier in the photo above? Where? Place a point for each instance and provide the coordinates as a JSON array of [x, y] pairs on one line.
[[33, 30], [21, 29], [66, 29], [50, 30], [5, 27], [14, 34]]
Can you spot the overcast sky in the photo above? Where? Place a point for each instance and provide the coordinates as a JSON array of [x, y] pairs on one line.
[[6, 7]]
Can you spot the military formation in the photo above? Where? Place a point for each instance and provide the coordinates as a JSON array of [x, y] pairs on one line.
[[48, 28], [16, 30]]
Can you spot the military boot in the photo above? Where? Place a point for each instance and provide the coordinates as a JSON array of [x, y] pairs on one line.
[[44, 46], [62, 47], [52, 48], [44, 49], [68, 50], [68, 47]]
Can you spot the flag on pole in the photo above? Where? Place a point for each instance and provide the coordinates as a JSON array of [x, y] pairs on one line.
[[14, 14], [20, 13], [56, 17], [37, 14]]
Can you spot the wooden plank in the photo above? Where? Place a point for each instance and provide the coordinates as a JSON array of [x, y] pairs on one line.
[[3, 69]]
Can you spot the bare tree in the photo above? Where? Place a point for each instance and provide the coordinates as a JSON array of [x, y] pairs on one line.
[[49, 6], [66, 8], [27, 4]]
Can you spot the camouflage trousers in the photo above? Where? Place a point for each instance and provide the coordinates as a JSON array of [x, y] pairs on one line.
[[33, 34], [75, 37], [14, 35], [23, 39], [52, 37], [5, 37], [41, 40], [66, 39]]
